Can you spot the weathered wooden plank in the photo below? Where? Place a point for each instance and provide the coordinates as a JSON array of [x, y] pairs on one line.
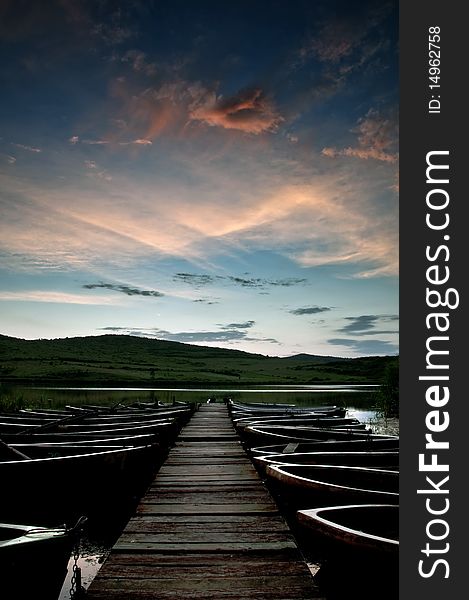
[[218, 546], [229, 568], [212, 482], [204, 497], [207, 443], [247, 520], [208, 470], [207, 536], [233, 594], [233, 509], [149, 526], [248, 476], [205, 437], [272, 588], [208, 425], [188, 461], [216, 487], [194, 559]]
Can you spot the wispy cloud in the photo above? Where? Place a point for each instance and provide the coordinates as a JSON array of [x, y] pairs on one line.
[[75, 139], [124, 289], [376, 137], [344, 40], [126, 221], [28, 148], [139, 62], [310, 310], [138, 142], [55, 297], [92, 142]]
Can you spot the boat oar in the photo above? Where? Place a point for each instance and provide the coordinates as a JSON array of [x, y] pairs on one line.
[[56, 422], [14, 451]]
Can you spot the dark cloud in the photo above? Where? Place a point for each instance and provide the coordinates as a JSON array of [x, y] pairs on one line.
[[223, 335], [257, 282], [206, 301], [245, 325], [124, 289], [201, 279], [194, 278], [310, 310], [252, 282], [289, 281], [365, 324], [366, 347]]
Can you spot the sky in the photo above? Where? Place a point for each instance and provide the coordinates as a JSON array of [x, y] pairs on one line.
[[223, 174]]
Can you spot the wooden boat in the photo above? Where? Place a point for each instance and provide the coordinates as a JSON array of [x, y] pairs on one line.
[[237, 409], [165, 431], [83, 426], [17, 421], [72, 483], [123, 442], [310, 420], [33, 560], [378, 460], [359, 528], [354, 539], [263, 434], [375, 442], [316, 484], [35, 451]]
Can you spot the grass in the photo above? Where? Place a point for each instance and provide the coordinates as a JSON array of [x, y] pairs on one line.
[[134, 361]]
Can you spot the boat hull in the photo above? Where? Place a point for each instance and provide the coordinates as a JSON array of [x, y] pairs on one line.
[[33, 560]]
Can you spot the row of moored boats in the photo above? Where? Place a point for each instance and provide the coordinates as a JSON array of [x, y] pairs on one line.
[[335, 478], [64, 466]]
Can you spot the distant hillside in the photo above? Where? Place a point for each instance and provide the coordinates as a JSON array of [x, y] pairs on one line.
[[129, 360], [315, 358]]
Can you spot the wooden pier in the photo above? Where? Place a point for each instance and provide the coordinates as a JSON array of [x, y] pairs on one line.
[[207, 528]]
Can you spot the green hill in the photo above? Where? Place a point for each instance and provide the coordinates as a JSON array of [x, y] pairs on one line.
[[129, 360]]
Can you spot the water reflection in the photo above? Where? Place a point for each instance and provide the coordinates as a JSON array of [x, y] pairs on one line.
[[359, 396]]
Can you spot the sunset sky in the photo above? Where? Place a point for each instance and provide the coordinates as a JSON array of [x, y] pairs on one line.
[[216, 173]]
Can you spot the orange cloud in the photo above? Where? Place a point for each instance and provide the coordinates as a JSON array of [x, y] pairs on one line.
[[121, 221], [248, 111], [377, 137]]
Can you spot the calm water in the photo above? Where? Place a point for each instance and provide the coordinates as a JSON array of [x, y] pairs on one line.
[[358, 399], [357, 396]]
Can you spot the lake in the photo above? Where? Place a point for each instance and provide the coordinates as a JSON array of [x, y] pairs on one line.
[[302, 395]]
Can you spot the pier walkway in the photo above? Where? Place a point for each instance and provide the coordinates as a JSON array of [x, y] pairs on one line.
[[207, 528]]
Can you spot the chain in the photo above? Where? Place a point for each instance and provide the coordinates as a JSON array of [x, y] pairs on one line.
[[75, 583]]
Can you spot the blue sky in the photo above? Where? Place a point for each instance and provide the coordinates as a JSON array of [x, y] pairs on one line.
[[218, 174]]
